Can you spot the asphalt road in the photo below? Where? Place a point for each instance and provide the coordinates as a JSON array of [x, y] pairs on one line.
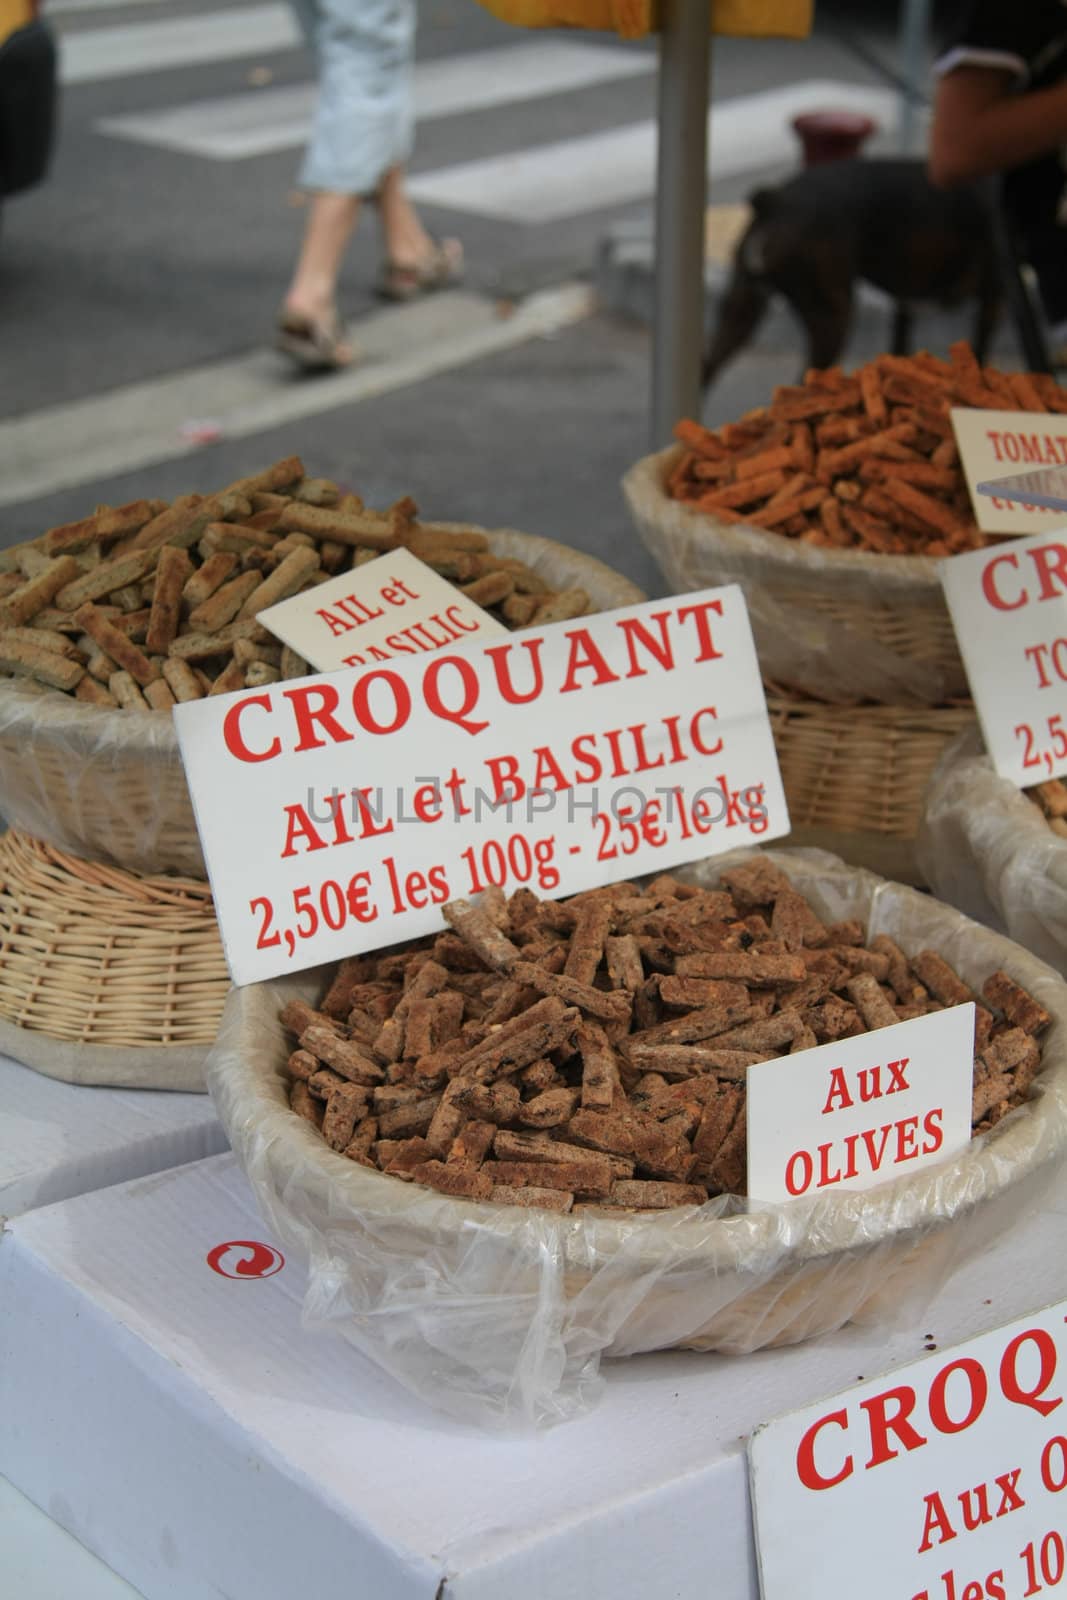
[[138, 285]]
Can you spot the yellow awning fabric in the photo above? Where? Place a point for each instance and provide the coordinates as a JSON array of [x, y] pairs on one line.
[[635, 18], [16, 14]]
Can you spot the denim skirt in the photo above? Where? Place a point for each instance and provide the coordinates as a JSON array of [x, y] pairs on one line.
[[364, 117]]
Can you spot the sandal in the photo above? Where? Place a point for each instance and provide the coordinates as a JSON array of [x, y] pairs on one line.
[[317, 346], [441, 266]]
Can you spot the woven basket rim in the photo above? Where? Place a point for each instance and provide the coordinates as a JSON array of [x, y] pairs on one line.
[[101, 958], [901, 1212], [148, 733], [781, 552]]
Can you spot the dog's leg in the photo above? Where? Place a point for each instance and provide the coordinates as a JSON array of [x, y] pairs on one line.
[[902, 328], [740, 313], [825, 316]]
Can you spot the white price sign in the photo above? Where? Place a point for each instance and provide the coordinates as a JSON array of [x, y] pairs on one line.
[[339, 813], [993, 444], [944, 1480], [858, 1112], [394, 606], [1009, 609]]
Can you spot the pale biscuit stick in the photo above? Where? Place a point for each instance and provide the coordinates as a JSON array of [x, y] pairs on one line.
[[173, 569], [46, 639], [289, 576], [159, 695], [126, 692], [208, 578], [104, 579], [35, 661], [353, 528], [105, 525], [94, 692], [33, 596], [224, 605], [182, 681], [115, 644], [561, 607]]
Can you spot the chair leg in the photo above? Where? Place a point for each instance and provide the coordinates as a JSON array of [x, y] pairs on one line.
[[1019, 297], [902, 328]]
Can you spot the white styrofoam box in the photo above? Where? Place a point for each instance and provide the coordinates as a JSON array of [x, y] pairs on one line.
[[40, 1560], [62, 1139], [187, 1430]]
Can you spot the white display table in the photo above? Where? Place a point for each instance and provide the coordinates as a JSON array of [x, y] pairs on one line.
[[187, 1429], [60, 1139]]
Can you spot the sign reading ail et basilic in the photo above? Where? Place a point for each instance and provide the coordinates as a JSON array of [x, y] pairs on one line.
[[338, 813], [943, 1481]]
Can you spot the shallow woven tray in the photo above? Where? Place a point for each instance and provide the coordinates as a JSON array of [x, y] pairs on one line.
[[99, 959], [855, 776], [110, 785], [461, 1299], [881, 617]]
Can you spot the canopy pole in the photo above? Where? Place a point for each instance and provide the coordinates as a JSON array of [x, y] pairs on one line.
[[912, 43], [681, 197]]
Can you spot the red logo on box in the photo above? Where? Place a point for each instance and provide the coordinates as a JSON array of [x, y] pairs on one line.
[[245, 1258]]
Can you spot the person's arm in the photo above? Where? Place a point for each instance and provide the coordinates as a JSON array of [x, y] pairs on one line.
[[979, 127]]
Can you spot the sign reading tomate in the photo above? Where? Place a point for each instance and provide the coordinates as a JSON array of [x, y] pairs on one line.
[[993, 444], [338, 813], [943, 1481], [1009, 609]]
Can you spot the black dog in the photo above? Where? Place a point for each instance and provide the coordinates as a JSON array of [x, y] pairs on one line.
[[882, 221]]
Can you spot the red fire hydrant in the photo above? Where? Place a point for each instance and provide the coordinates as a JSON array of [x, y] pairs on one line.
[[832, 135]]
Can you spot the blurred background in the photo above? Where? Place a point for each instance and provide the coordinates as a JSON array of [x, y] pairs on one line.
[[140, 278]]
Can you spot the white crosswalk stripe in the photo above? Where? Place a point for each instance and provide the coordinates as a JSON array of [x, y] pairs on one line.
[[58, 8], [141, 423], [568, 177], [265, 120], [133, 48]]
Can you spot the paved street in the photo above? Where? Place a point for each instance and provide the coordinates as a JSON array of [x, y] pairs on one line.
[[138, 286]]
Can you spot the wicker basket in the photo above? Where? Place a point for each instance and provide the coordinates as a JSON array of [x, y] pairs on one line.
[[987, 848], [106, 977], [489, 1309], [855, 776], [837, 624], [110, 786]]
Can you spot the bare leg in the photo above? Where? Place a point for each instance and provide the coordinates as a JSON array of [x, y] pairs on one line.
[[414, 260], [312, 293], [406, 240]]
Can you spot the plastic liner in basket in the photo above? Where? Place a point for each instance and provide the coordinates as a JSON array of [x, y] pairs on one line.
[[986, 848], [110, 785], [840, 625], [500, 1315]]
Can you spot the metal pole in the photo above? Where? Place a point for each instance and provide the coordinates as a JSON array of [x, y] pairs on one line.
[[681, 196], [911, 46]]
